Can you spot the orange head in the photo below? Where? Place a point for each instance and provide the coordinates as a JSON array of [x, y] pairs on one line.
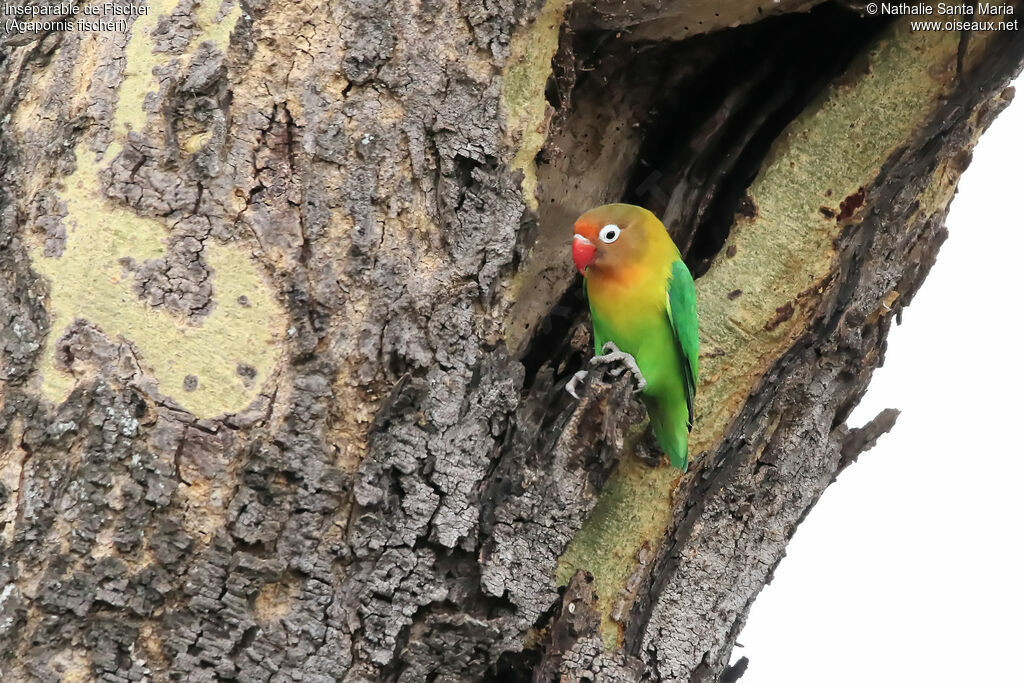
[[612, 238]]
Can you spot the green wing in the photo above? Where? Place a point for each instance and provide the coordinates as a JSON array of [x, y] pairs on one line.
[[682, 313]]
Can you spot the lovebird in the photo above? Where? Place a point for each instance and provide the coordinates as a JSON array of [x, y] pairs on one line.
[[644, 310]]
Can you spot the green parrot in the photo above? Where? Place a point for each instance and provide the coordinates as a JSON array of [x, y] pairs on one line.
[[644, 310]]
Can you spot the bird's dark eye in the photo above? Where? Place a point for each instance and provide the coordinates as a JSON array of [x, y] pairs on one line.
[[610, 233]]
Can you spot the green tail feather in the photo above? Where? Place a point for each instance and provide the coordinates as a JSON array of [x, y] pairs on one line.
[[671, 432]]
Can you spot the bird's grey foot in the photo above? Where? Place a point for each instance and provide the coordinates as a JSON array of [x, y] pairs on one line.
[[574, 383], [612, 354]]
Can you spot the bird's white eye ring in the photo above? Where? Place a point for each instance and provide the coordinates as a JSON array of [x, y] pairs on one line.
[[610, 233]]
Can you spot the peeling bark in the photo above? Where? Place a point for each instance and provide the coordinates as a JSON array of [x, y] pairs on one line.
[[287, 317]]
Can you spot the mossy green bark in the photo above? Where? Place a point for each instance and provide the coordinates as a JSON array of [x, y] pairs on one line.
[[523, 83]]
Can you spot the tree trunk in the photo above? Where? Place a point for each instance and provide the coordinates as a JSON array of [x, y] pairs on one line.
[[288, 311]]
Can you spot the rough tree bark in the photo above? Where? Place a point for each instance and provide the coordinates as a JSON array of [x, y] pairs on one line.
[[287, 313]]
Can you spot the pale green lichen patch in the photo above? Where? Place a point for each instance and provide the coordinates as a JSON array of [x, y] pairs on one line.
[[215, 19], [138, 78], [210, 367], [88, 282], [523, 84], [783, 257]]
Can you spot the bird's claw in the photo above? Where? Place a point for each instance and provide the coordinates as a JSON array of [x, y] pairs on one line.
[[574, 382], [612, 354]]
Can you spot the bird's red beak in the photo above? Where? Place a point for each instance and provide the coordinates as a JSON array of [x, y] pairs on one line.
[[583, 252]]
